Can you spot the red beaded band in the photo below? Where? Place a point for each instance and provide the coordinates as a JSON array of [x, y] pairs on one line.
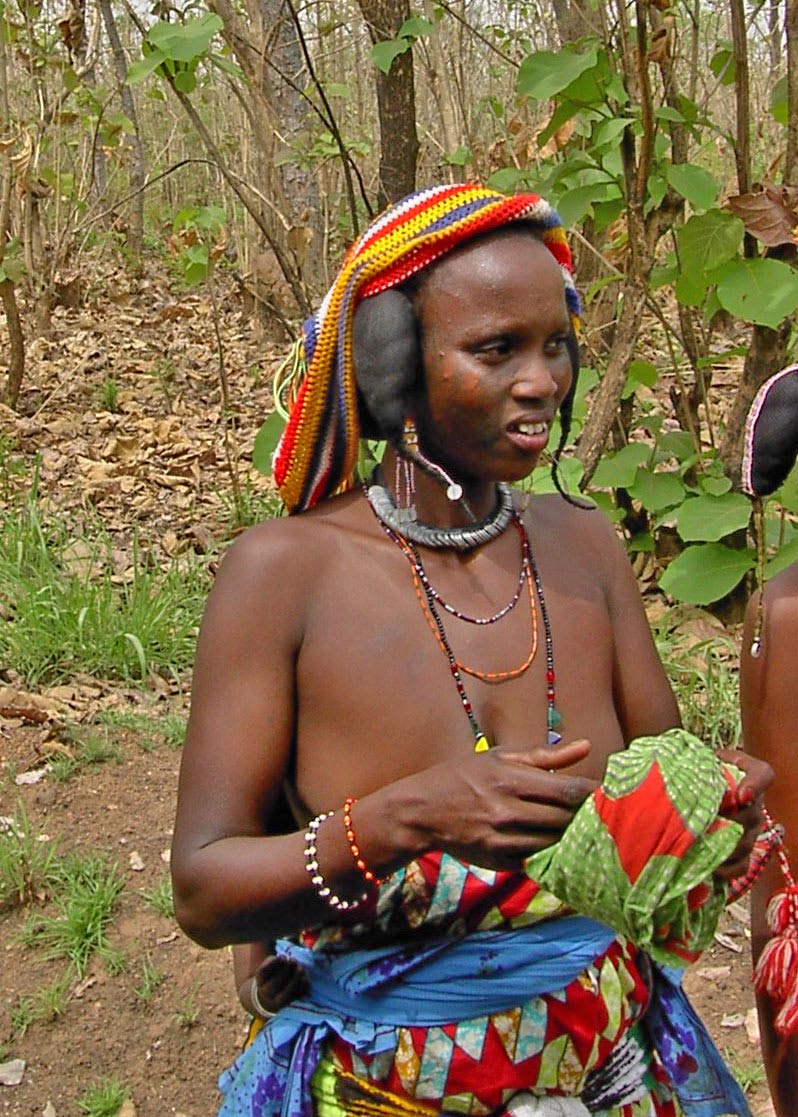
[[366, 872]]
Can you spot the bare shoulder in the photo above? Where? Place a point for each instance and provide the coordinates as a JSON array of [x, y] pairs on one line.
[[280, 561], [585, 532]]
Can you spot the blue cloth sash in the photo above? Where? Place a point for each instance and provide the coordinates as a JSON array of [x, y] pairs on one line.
[[364, 996]]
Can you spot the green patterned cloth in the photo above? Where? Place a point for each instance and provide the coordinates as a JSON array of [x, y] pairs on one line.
[[641, 851]]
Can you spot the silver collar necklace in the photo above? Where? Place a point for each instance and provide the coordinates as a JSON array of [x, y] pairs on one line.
[[454, 538]]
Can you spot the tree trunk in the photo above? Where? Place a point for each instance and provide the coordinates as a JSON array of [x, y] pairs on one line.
[[16, 345], [135, 222], [396, 103]]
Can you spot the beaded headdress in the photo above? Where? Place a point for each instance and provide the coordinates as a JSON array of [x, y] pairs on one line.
[[317, 453]]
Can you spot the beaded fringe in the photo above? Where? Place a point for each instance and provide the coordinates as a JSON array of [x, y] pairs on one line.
[[776, 972]]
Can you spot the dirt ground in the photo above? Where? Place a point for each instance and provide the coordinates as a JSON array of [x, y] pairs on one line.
[[167, 1022]]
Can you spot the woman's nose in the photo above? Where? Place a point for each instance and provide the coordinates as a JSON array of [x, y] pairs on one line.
[[537, 379]]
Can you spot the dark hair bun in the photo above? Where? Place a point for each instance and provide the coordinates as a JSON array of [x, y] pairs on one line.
[[771, 434], [387, 359]]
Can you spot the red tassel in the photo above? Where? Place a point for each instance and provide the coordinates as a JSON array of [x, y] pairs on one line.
[[783, 910], [786, 1022], [776, 971]]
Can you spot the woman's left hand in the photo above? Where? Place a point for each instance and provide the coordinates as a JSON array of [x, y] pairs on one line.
[[746, 809]]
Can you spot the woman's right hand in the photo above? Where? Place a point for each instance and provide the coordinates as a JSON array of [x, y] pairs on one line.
[[498, 807]]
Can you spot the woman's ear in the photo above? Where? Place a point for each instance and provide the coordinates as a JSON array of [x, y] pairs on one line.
[[387, 359]]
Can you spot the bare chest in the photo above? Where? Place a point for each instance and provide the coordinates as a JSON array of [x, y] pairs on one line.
[[390, 674]]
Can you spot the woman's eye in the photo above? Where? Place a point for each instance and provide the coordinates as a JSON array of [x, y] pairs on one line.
[[498, 347], [557, 344]]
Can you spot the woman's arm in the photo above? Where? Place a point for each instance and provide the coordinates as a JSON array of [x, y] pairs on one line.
[[769, 702]]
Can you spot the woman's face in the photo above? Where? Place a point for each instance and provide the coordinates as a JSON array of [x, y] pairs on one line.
[[494, 326]]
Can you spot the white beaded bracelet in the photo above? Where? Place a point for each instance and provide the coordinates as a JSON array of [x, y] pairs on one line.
[[312, 866]]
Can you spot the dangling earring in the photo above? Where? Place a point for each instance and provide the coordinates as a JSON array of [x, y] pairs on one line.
[[409, 447], [405, 490]]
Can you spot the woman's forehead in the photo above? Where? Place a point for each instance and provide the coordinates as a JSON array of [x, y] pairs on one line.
[[505, 257], [498, 270]]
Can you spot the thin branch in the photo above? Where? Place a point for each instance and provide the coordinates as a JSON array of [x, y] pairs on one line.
[[332, 122], [478, 34]]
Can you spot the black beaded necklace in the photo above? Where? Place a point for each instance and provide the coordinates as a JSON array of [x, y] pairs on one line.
[[429, 605]]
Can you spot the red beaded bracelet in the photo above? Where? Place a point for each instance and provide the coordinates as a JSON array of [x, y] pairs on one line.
[[368, 876]]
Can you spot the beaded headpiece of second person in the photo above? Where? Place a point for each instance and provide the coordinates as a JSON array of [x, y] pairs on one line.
[[317, 453]]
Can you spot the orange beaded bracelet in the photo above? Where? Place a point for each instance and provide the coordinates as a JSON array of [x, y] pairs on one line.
[[368, 876]]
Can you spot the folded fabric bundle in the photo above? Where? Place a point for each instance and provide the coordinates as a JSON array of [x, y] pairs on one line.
[[641, 851]]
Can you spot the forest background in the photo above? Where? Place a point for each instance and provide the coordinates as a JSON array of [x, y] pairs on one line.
[[176, 186]]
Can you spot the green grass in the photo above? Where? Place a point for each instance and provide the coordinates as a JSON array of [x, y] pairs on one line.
[[704, 677], [160, 898], [748, 1072], [151, 978], [65, 621], [43, 1006], [91, 749], [170, 728], [104, 1099], [188, 1015], [87, 891], [27, 864]]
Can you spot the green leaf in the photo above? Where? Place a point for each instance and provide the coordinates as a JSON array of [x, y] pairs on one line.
[[787, 493], [708, 240], [763, 291], [657, 188], [266, 443], [571, 473], [779, 102], [723, 65], [695, 184], [459, 158], [223, 63], [642, 372], [610, 131], [667, 113], [383, 54], [705, 573], [708, 518], [547, 72], [573, 205], [13, 269], [784, 557], [196, 264], [185, 81], [657, 491], [677, 444], [183, 42], [506, 180], [691, 287], [144, 67], [643, 541], [618, 471], [714, 486], [414, 27]]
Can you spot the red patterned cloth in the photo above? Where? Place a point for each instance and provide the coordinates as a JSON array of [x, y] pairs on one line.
[[548, 1045]]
